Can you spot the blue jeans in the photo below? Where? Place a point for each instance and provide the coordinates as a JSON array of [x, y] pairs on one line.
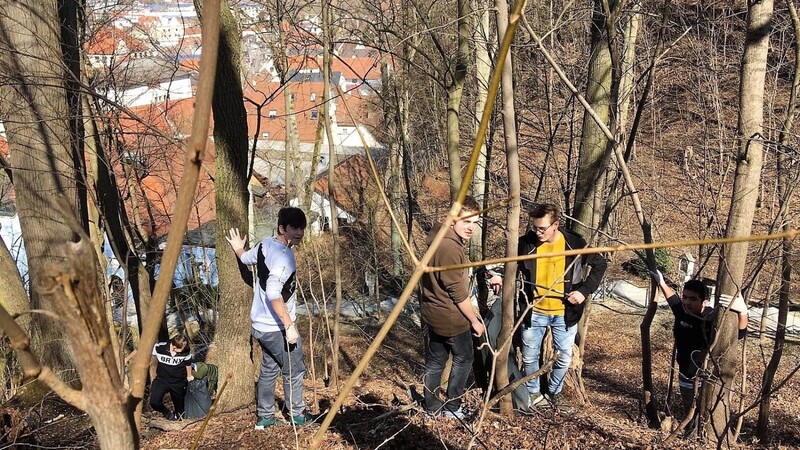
[[563, 340], [438, 349], [279, 357]]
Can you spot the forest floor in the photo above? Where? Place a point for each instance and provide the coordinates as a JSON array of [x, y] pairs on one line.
[[374, 415]]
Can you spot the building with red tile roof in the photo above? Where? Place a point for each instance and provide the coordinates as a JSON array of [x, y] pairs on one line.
[[109, 46], [150, 158]]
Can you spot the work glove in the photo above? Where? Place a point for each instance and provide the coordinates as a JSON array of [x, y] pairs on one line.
[[292, 335], [658, 277]]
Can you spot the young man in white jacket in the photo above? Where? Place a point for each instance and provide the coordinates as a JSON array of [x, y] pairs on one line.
[[273, 316]]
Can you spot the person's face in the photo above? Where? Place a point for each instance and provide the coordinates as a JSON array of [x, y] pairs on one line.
[[464, 226], [544, 227], [293, 235], [692, 303], [175, 349]]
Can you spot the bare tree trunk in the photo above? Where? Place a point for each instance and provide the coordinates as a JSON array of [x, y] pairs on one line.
[[594, 156], [627, 75], [715, 396], [291, 146], [12, 289], [119, 231], [784, 199], [512, 217], [308, 189], [96, 232], [455, 88], [603, 96], [40, 139], [80, 304], [392, 112], [281, 60], [232, 197], [483, 71], [327, 34]]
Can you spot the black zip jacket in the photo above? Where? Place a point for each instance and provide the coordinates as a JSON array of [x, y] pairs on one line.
[[583, 276]]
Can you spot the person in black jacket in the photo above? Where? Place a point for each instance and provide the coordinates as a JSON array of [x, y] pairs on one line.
[[552, 296]]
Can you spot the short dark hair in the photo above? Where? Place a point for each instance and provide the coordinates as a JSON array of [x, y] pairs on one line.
[[541, 210], [291, 216], [698, 287], [180, 341], [470, 205]]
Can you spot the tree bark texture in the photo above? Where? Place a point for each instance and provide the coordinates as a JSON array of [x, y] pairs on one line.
[[594, 157], [455, 89], [326, 111], [231, 196], [513, 212], [483, 72], [12, 289], [785, 194], [749, 158], [79, 302], [40, 141]]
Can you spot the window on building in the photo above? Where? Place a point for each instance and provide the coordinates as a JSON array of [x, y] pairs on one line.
[[314, 114], [265, 135], [313, 96], [273, 113]]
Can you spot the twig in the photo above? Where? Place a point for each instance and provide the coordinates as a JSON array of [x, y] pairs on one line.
[[310, 340], [394, 411], [393, 436], [789, 234], [31, 368], [44, 312], [516, 383]]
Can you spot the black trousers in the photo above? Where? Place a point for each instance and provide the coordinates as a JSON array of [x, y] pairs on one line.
[[439, 347], [177, 392]]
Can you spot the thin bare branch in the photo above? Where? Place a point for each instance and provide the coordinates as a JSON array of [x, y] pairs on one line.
[[790, 234]]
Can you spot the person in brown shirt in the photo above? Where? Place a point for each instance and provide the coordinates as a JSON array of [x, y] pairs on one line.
[[447, 312]]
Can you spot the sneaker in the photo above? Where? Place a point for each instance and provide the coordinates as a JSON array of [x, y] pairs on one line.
[[173, 416], [305, 418], [265, 422], [457, 414], [561, 404], [539, 400]]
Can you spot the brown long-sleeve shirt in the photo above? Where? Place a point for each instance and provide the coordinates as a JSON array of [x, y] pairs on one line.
[[441, 291]]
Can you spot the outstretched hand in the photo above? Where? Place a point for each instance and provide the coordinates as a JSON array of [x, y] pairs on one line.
[[237, 241], [658, 277]]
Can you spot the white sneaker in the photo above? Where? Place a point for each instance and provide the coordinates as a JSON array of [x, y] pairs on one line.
[[457, 414]]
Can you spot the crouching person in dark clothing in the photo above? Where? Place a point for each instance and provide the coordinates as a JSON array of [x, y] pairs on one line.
[[173, 371]]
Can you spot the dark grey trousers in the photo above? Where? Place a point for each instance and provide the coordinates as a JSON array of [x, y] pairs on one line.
[[279, 358]]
